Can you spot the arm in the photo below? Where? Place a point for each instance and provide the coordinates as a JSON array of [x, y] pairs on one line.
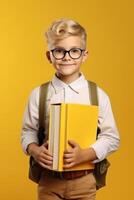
[[29, 136], [107, 142], [108, 139]]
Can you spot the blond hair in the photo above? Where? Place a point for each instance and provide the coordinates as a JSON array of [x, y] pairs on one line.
[[64, 28]]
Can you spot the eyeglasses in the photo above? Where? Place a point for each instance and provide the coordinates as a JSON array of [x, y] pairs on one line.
[[60, 53]]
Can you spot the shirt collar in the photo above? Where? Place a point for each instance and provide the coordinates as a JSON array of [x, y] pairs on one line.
[[76, 85]]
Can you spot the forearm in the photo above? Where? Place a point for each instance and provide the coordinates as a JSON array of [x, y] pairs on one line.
[[88, 155], [104, 146]]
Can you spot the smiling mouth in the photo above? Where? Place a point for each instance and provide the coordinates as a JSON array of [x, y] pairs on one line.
[[66, 64]]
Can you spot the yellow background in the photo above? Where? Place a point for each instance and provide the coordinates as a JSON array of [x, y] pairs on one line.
[[23, 66]]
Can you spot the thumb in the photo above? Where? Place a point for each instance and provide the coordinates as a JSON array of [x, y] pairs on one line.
[[46, 144], [72, 143]]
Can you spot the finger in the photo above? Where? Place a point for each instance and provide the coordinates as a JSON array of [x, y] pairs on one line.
[[45, 166], [45, 151], [68, 155], [47, 162], [67, 151], [46, 157], [67, 166], [72, 143], [69, 160]]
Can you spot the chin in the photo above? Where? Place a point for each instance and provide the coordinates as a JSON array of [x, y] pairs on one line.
[[67, 73]]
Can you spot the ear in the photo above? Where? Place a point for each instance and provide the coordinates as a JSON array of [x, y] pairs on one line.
[[48, 56], [85, 55]]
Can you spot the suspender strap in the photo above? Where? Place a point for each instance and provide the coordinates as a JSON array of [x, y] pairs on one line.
[[42, 111], [93, 92]]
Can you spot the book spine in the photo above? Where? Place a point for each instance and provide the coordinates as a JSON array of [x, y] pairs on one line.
[[56, 137], [51, 128], [62, 136]]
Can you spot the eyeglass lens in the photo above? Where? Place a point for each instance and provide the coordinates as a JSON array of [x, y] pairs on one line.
[[60, 53]]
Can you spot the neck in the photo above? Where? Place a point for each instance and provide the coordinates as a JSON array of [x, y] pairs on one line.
[[68, 79]]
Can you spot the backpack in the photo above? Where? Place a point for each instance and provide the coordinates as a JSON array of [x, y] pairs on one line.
[[35, 169]]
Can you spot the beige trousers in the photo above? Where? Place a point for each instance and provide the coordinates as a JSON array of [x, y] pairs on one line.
[[51, 188]]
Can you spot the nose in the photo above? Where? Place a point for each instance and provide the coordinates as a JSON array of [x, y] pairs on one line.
[[67, 56]]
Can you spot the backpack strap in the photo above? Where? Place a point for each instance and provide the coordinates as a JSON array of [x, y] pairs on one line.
[[94, 98], [93, 93], [42, 111]]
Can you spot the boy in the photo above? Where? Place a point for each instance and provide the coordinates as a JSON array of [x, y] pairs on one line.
[[67, 51]]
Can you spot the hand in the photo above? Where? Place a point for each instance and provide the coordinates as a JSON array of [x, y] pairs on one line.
[[76, 155], [41, 155], [73, 155]]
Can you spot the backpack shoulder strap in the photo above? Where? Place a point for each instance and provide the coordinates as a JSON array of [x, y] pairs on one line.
[[42, 111], [94, 97], [42, 99], [93, 92]]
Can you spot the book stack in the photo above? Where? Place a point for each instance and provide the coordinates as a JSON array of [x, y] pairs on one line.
[[75, 122]]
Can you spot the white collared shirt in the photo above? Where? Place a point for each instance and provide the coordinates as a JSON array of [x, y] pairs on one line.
[[75, 92]]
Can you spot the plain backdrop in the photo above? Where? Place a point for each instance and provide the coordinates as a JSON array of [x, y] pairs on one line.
[[23, 66]]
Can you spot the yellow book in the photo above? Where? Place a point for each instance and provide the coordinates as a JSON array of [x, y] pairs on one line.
[[76, 122]]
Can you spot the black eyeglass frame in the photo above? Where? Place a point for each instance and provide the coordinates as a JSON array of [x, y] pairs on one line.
[[65, 51]]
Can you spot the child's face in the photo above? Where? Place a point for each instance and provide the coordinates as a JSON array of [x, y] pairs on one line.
[[68, 66]]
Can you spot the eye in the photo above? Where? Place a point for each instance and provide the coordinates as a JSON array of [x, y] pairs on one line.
[[75, 50], [59, 51]]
